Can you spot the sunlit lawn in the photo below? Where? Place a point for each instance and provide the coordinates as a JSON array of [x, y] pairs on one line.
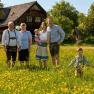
[[36, 81]]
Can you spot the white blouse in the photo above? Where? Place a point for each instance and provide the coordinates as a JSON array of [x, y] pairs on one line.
[[43, 36]]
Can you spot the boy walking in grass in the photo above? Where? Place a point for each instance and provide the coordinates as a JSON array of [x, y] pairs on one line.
[[79, 61]]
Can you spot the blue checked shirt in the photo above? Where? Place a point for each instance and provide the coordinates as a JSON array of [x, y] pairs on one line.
[[56, 34], [78, 61]]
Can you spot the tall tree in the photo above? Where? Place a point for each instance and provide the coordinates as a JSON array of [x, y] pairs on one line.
[[65, 15], [89, 22], [1, 4], [81, 22]]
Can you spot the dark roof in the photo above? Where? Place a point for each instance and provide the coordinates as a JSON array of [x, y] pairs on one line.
[[4, 12], [17, 11]]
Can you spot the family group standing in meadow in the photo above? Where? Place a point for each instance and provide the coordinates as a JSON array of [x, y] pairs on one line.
[[48, 34]]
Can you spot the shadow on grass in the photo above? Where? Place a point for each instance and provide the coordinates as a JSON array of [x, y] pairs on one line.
[[37, 68], [31, 68]]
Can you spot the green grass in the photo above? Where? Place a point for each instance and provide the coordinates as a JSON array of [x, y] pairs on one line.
[[35, 81]]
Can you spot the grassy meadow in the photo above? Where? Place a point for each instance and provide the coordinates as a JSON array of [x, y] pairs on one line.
[[35, 81]]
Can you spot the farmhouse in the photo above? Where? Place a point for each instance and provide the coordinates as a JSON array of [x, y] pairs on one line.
[[30, 13]]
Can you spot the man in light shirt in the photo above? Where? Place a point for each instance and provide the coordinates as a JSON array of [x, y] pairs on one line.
[[11, 41], [55, 38]]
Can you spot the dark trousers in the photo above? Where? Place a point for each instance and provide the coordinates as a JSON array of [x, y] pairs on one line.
[[11, 52], [24, 55], [54, 49]]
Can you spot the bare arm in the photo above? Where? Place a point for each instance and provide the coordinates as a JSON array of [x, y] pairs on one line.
[[18, 40], [72, 62], [48, 37], [29, 39], [4, 38]]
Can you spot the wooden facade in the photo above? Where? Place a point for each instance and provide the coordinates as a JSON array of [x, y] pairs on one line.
[[30, 13]]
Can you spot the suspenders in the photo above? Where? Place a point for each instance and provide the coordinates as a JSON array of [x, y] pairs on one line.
[[13, 38]]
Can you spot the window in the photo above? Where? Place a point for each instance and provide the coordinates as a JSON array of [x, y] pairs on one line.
[[38, 19], [29, 19], [12, 13]]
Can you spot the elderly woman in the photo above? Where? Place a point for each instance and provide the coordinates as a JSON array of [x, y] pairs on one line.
[[26, 41]]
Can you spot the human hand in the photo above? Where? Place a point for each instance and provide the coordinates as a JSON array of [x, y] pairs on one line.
[[59, 43], [19, 48]]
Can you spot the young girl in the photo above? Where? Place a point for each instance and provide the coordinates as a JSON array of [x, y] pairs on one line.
[[37, 38], [42, 52], [79, 61]]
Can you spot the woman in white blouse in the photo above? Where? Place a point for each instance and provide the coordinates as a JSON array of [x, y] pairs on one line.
[[42, 52]]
